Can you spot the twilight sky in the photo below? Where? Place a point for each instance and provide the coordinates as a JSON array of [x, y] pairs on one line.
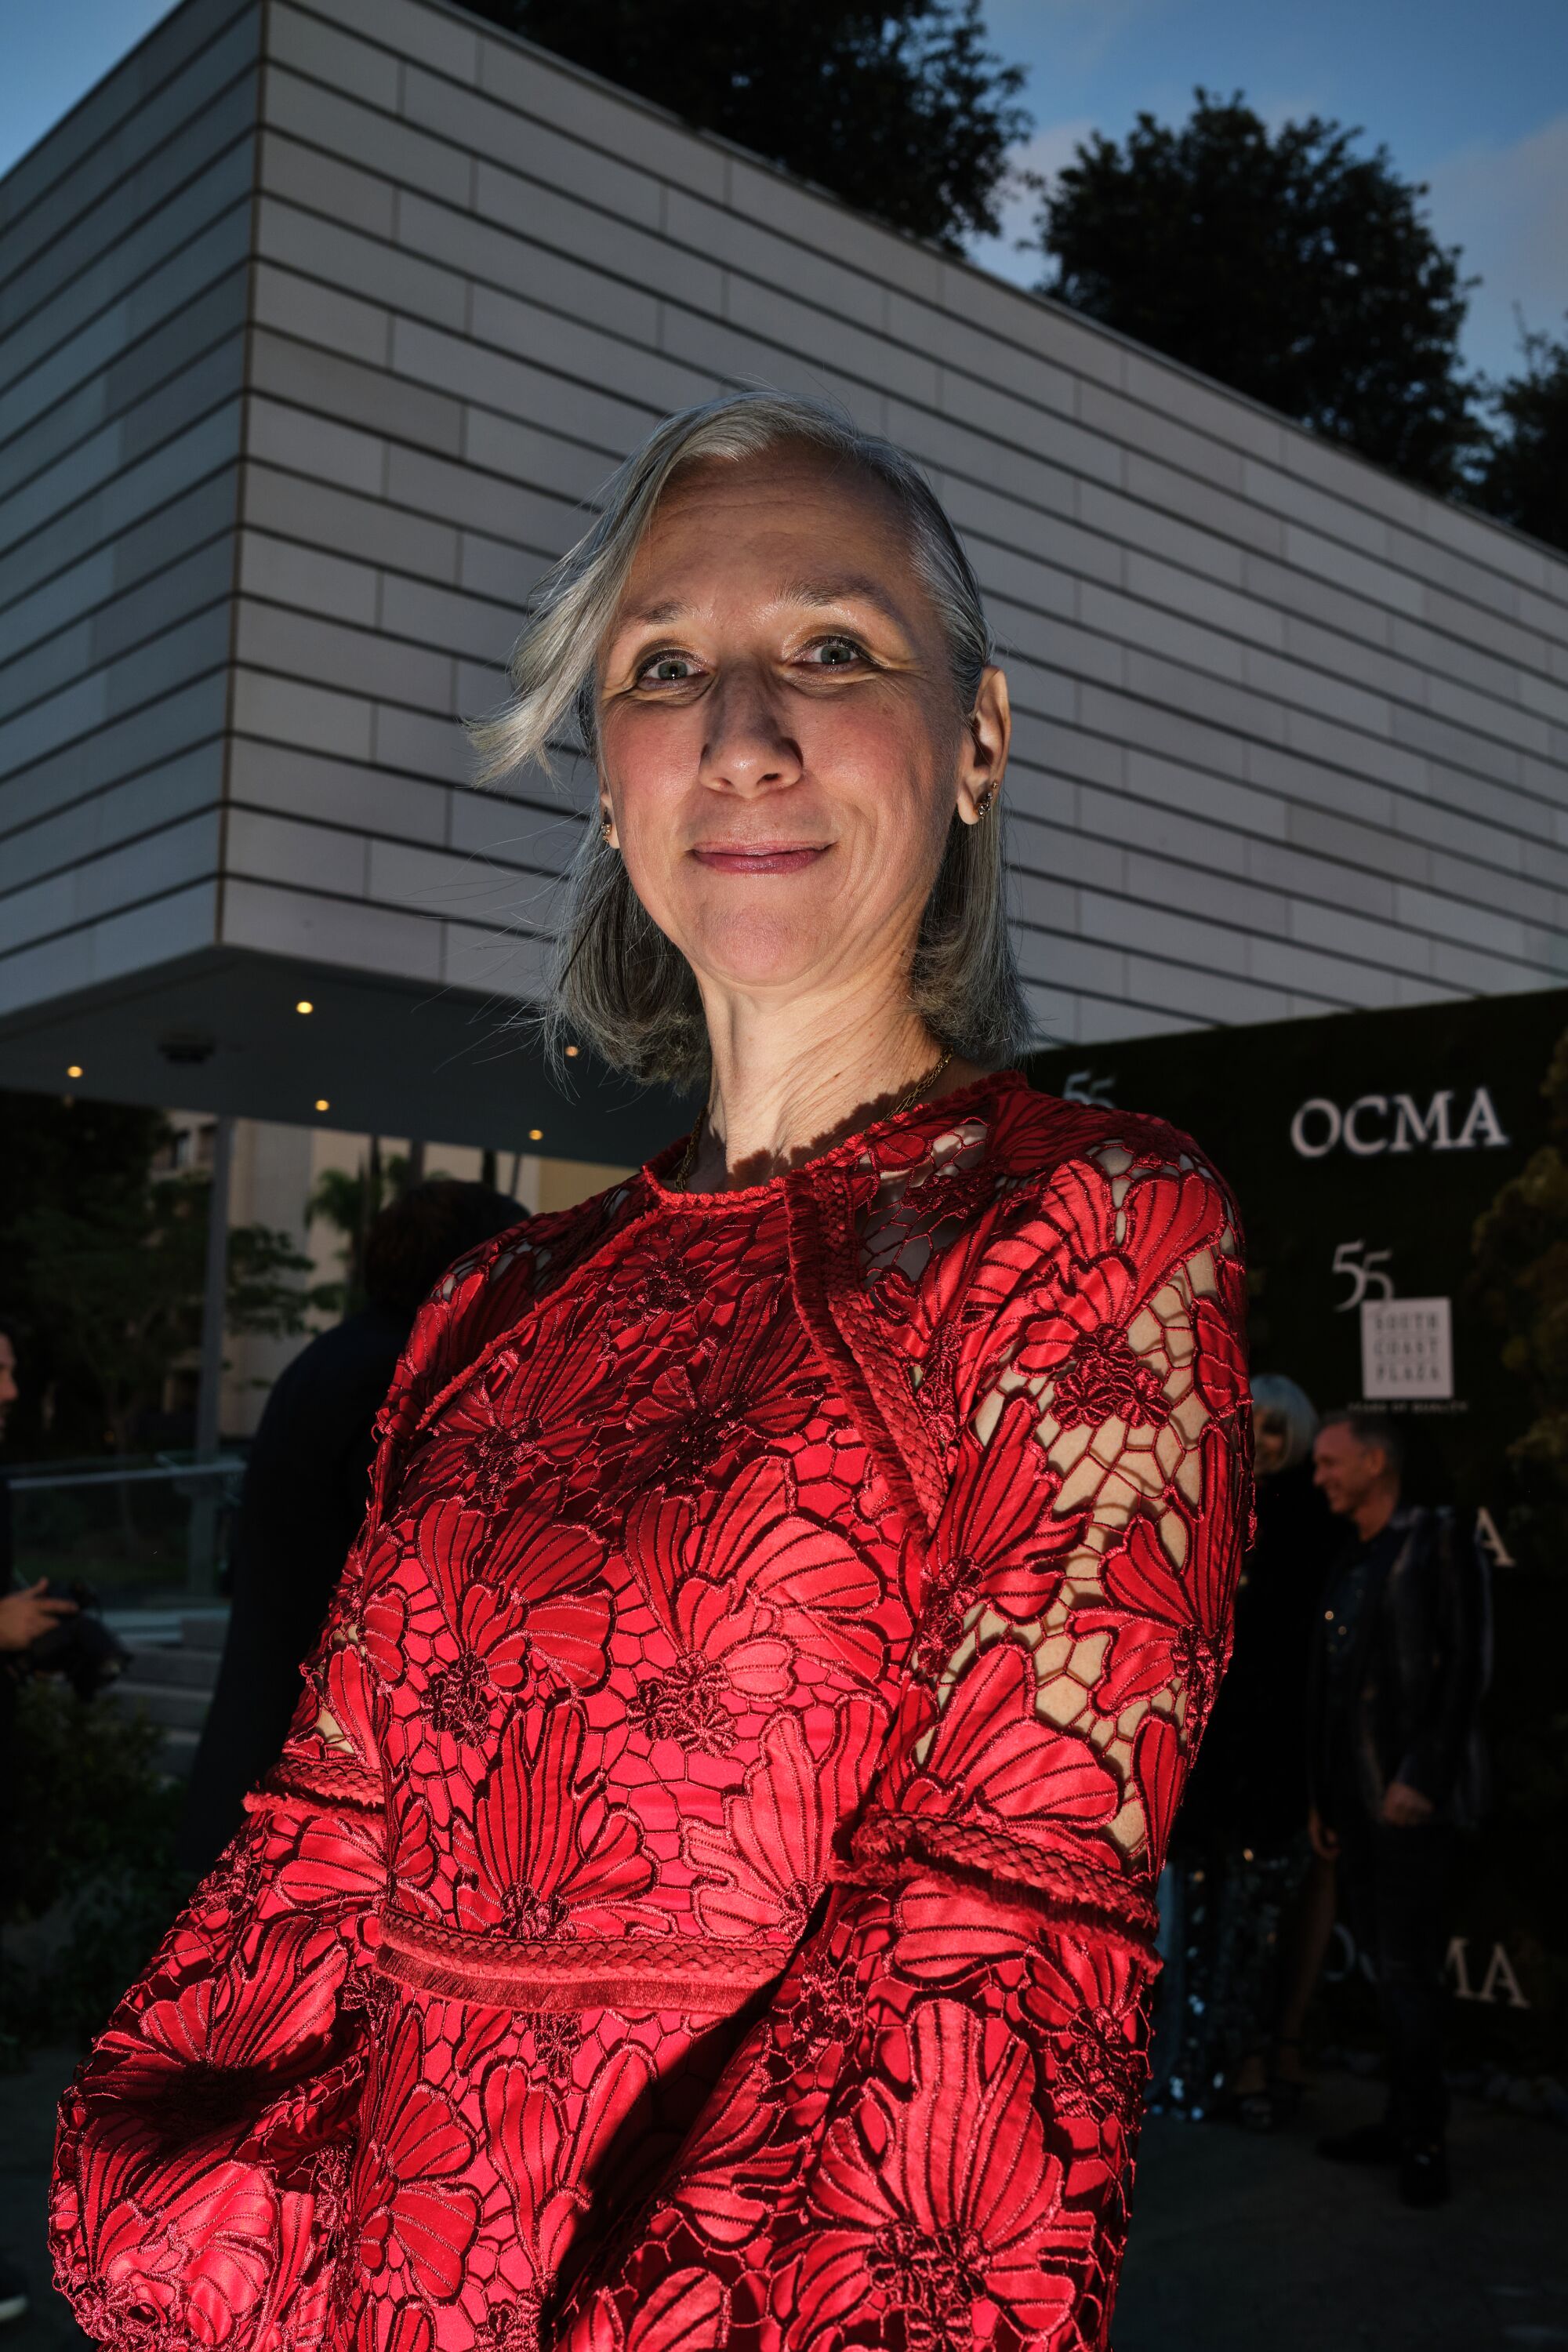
[[1469, 95]]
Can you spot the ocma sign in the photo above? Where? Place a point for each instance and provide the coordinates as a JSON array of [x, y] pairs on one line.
[[1392, 1123]]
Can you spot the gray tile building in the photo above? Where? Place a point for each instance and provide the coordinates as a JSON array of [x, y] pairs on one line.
[[319, 321]]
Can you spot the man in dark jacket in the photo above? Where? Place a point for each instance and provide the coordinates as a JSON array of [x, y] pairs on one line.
[[305, 1493], [1399, 1665]]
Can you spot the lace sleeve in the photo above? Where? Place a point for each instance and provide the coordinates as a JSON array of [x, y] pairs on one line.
[[927, 2140], [203, 2143]]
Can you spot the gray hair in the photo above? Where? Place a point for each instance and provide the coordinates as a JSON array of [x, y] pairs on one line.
[[1272, 1392], [619, 984], [1371, 1429]]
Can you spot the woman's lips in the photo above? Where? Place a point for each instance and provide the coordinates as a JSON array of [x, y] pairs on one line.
[[763, 857]]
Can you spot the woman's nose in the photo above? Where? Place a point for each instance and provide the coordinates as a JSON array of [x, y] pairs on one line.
[[749, 747]]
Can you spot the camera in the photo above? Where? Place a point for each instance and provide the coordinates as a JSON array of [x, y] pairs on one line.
[[81, 1648]]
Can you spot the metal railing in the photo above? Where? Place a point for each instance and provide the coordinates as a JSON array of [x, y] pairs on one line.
[[140, 1532]]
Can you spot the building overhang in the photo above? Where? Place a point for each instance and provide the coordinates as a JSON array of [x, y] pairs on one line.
[[217, 1030]]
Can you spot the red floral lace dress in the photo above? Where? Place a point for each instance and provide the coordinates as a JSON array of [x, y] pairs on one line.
[[705, 1900]]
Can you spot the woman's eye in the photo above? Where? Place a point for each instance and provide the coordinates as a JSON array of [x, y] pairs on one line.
[[666, 669], [834, 653]]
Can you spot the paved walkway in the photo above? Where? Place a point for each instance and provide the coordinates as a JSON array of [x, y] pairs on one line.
[[1242, 2244], [1238, 2245]]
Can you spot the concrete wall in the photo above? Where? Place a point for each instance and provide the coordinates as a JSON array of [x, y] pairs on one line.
[[1291, 735], [124, 273]]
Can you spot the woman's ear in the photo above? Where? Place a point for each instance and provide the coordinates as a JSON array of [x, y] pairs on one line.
[[983, 757]]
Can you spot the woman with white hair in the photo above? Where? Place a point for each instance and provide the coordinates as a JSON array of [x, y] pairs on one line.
[[706, 1899]]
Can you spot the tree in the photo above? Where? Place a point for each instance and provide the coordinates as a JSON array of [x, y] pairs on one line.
[[55, 1146], [1286, 265], [1522, 1275], [116, 1276], [1524, 478], [901, 109]]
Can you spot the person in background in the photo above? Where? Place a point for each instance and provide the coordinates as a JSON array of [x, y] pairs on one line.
[[1399, 1665], [305, 1493], [1239, 1905], [25, 1612]]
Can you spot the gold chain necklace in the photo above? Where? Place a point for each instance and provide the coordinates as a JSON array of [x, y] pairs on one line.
[[921, 1087]]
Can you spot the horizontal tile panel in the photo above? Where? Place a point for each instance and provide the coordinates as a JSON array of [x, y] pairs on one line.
[[122, 875], [341, 122], [209, 383], [309, 511], [109, 121], [560, 388], [161, 356], [135, 553], [119, 626], [276, 919], [190, 649], [189, 216], [214, 263], [161, 796], [591, 109], [306, 646], [313, 857], [157, 930], [309, 377], [224, 120], [356, 794], [167, 730]]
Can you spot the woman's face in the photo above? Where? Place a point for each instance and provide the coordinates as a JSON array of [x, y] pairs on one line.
[[781, 751]]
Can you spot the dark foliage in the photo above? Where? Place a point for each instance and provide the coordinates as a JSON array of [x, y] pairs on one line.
[[900, 110], [1286, 265], [1524, 479], [1521, 1277], [104, 1267], [94, 1826], [58, 1150]]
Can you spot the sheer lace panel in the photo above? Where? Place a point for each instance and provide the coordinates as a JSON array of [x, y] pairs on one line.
[[920, 1207], [1120, 1430]]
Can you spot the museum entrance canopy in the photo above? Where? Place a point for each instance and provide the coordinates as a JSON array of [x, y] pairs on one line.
[[219, 1031]]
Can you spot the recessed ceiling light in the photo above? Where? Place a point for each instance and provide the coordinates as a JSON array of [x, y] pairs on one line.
[[322, 1103], [536, 1135], [572, 1052], [304, 1006], [74, 1071]]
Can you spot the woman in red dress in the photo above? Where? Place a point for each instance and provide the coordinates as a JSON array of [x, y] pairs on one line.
[[706, 1898]]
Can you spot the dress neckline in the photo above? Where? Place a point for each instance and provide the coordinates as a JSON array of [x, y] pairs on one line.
[[940, 1112]]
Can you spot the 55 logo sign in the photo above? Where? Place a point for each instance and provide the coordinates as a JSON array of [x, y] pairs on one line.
[[1363, 1269]]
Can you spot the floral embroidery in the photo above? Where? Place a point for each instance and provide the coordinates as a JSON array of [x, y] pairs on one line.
[[1102, 1380]]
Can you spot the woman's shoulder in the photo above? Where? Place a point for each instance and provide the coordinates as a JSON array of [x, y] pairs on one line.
[[1087, 1198], [484, 1294], [1041, 1144], [1026, 1203]]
